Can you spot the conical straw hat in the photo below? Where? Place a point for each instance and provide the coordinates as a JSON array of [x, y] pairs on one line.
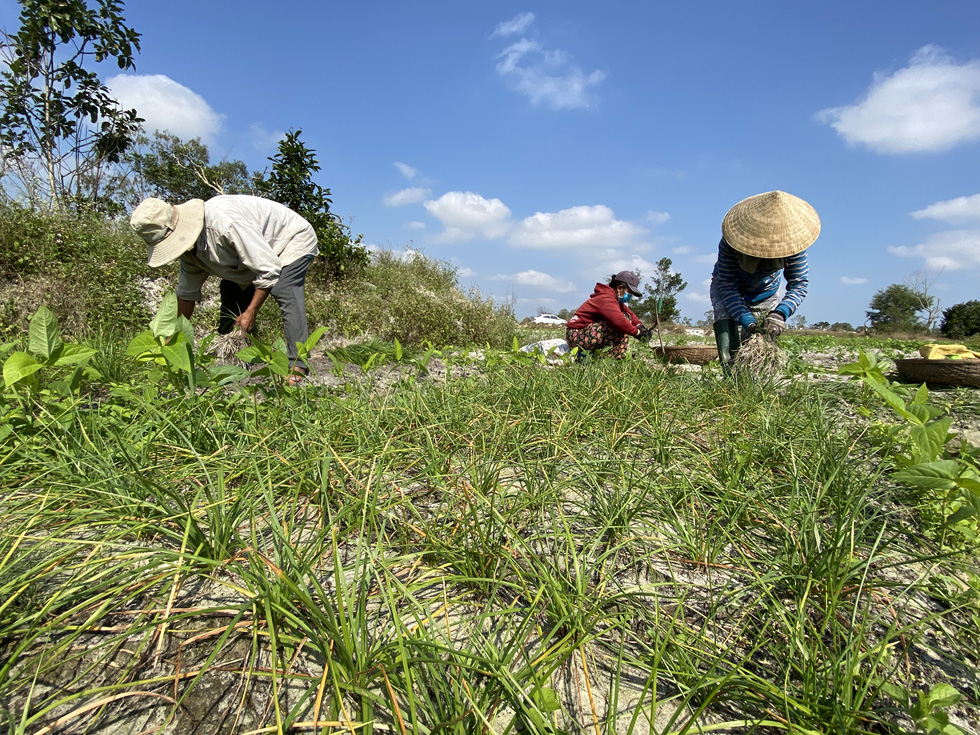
[[771, 225]]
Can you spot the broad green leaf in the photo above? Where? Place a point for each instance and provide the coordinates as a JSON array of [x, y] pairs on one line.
[[225, 374], [546, 699], [71, 354], [944, 695], [252, 354], [969, 483], [966, 511], [143, 343], [178, 355], [921, 413], [185, 327], [312, 340], [898, 693], [939, 475], [280, 363], [18, 367], [164, 324], [930, 439], [892, 399], [398, 350], [45, 337]]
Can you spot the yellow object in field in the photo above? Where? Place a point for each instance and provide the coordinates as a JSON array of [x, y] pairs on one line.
[[946, 352]]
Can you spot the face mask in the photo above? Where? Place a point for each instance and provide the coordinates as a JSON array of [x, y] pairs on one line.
[[625, 298]]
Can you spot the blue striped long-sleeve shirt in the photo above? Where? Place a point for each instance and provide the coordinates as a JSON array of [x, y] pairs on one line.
[[743, 281]]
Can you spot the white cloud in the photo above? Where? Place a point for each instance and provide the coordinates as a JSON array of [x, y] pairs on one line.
[[544, 76], [681, 250], [537, 279], [167, 106], [951, 250], [463, 272], [518, 24], [413, 195], [263, 139], [706, 258], [931, 105], [849, 281], [466, 215], [577, 227], [535, 302], [407, 171], [415, 225], [954, 211], [631, 263], [700, 295], [657, 218]]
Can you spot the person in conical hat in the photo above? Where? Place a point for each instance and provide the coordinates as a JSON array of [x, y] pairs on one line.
[[257, 247], [763, 237]]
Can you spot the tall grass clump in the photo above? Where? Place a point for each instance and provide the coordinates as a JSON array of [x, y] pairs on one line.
[[414, 299]]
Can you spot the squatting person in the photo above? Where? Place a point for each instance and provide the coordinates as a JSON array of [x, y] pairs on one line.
[[257, 247], [761, 236], [605, 320]]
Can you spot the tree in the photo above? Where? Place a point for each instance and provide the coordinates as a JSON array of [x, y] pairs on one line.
[[663, 290], [57, 119], [961, 320], [841, 327], [290, 182], [176, 170], [920, 282], [895, 308], [822, 326]]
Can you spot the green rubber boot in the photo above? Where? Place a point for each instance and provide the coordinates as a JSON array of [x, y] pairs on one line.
[[728, 340]]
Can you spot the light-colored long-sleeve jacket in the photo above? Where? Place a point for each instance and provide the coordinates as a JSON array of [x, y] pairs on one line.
[[247, 240]]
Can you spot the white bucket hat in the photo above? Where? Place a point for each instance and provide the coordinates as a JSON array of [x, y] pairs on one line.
[[168, 230], [771, 225]]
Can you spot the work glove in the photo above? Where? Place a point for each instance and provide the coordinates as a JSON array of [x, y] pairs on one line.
[[774, 324], [645, 333], [748, 330]]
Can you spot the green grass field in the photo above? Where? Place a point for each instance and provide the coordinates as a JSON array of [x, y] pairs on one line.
[[477, 545]]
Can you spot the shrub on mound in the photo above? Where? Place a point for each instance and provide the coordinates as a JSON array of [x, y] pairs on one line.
[[414, 299], [87, 269]]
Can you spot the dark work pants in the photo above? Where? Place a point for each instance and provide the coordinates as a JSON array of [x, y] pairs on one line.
[[289, 292]]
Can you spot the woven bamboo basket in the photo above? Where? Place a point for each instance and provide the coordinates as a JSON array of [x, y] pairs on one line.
[[692, 354], [942, 372]]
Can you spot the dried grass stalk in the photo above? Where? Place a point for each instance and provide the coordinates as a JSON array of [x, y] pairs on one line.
[[760, 357], [225, 346]]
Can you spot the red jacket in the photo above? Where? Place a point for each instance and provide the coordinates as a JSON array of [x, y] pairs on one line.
[[603, 305]]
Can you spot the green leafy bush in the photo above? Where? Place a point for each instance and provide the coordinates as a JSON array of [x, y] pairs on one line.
[[961, 320]]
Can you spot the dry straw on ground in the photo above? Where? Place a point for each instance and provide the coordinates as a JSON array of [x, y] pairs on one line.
[[759, 357], [225, 346]]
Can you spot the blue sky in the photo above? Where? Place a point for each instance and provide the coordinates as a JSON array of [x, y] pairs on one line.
[[540, 147]]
